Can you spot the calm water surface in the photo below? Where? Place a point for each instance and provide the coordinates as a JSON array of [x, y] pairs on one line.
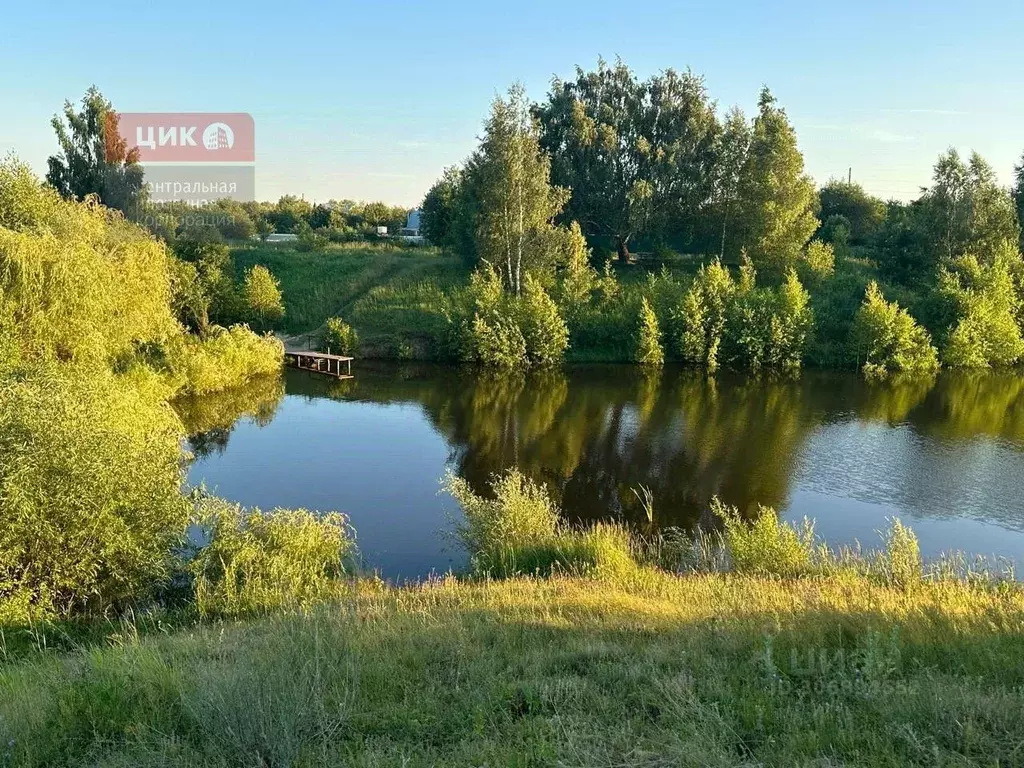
[[946, 456]]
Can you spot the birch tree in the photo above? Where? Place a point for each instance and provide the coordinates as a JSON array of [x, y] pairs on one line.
[[511, 178]]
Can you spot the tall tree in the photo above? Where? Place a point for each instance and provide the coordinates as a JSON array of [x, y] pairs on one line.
[[511, 178], [1018, 196], [967, 210], [777, 199], [94, 158], [733, 145], [439, 208], [638, 156]]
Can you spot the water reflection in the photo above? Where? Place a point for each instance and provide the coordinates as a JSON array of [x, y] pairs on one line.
[[209, 419], [949, 447]]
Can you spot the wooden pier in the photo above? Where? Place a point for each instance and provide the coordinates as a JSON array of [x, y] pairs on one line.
[[319, 362]]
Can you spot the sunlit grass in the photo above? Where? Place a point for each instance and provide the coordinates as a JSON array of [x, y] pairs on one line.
[[648, 669]]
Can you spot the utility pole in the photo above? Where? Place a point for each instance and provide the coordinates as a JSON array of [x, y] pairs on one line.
[[849, 175]]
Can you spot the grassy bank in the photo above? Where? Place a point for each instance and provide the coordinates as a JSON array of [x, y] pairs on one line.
[[757, 645], [651, 670], [394, 296]]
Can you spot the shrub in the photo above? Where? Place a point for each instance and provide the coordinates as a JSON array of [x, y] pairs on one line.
[[543, 329], [90, 476], [310, 239], [835, 230], [339, 337], [251, 561], [648, 337], [889, 339], [769, 328], [702, 315], [986, 304], [818, 262], [508, 331], [520, 515], [226, 358], [82, 284], [766, 545], [262, 294]]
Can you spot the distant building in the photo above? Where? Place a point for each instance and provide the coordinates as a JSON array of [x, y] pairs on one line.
[[412, 223]]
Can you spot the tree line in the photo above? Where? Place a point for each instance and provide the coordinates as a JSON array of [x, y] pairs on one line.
[[560, 196]]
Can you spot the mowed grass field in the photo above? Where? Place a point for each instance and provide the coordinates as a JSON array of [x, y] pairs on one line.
[[395, 297], [649, 670]]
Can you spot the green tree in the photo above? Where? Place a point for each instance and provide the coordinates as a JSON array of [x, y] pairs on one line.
[[889, 340], [649, 350], [863, 213], [440, 209], [701, 316], [731, 151], [1018, 196], [987, 305], [262, 294], [777, 199], [94, 159], [543, 328], [967, 210], [289, 213], [517, 204], [638, 156], [264, 228], [768, 328], [818, 262]]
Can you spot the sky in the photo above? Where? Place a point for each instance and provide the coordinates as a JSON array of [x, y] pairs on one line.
[[372, 100]]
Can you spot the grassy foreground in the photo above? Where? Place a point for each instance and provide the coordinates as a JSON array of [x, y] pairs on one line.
[[650, 669]]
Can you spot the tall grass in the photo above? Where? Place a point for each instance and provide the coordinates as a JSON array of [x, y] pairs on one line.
[[253, 562], [704, 670], [517, 530]]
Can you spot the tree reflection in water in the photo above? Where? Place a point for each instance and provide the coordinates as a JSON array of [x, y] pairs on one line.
[[594, 433]]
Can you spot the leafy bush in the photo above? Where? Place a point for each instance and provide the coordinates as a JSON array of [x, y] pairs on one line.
[[987, 304], [702, 315], [252, 561], [225, 358], [769, 328], [543, 328], [262, 294], [818, 262], [835, 230], [90, 477], [339, 337], [80, 283], [766, 545], [648, 337], [508, 331], [901, 560], [310, 239], [888, 338]]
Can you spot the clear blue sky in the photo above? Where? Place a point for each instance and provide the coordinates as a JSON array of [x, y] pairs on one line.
[[372, 100]]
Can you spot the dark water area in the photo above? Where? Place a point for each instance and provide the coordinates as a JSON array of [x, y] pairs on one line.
[[946, 456]]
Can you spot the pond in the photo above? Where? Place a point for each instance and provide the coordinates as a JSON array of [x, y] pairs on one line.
[[945, 455]]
